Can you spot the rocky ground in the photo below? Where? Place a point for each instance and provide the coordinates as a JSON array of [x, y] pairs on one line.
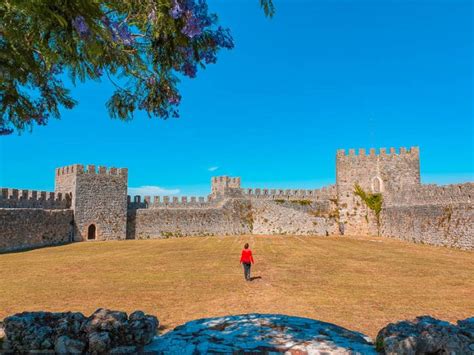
[[104, 331], [114, 332], [427, 335], [261, 333]]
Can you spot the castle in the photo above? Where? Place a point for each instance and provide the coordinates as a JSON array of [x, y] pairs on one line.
[[92, 204]]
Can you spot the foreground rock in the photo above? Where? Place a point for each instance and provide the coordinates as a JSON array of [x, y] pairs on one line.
[[104, 331], [113, 332], [257, 333], [427, 335]]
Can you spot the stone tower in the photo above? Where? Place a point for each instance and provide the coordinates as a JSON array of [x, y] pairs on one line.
[[225, 186], [383, 173], [99, 200]]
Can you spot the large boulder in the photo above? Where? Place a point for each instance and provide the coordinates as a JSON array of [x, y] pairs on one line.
[[104, 331], [466, 327], [66, 345], [426, 335], [112, 323], [261, 333], [142, 328], [39, 330]]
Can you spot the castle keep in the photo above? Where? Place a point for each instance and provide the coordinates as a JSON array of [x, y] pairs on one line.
[[91, 203]]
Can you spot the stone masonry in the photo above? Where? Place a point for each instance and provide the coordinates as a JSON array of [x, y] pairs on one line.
[[385, 173], [99, 200], [92, 204]]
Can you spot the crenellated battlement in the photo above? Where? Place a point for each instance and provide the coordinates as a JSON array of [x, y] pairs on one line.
[[226, 180], [91, 169], [324, 193], [16, 198], [167, 201], [432, 194], [225, 186], [373, 152]]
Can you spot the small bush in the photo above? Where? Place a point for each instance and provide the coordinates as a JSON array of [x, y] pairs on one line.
[[302, 202], [372, 201]]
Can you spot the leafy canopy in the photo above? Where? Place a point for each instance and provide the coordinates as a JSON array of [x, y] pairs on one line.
[[146, 44]]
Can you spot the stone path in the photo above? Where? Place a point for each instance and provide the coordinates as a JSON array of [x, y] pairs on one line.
[[265, 333]]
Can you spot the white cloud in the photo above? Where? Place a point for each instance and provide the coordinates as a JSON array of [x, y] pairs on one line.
[[151, 191], [213, 168]]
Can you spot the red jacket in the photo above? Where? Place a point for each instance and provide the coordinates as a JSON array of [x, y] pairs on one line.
[[246, 257]]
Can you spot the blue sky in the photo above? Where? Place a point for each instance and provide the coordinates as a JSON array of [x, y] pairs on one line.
[[321, 75]]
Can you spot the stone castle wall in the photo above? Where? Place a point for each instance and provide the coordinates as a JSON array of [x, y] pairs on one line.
[[323, 194], [431, 195], [170, 202], [294, 217], [444, 225], [23, 228], [431, 214], [14, 198], [87, 197], [227, 217]]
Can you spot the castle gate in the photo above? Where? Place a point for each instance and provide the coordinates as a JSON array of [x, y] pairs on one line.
[[91, 232]]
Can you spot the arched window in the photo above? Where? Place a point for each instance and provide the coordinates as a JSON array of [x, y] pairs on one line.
[[91, 232], [377, 184]]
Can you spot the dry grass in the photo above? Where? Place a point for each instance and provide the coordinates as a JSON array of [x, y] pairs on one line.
[[361, 284]]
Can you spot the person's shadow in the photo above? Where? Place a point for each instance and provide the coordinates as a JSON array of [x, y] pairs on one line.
[[255, 278]]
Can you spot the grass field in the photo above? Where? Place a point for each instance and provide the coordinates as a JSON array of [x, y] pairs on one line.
[[358, 283]]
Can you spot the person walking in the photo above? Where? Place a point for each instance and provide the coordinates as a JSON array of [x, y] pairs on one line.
[[246, 259]]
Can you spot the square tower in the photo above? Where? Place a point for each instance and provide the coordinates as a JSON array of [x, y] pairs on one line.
[[99, 200], [386, 173], [225, 186]]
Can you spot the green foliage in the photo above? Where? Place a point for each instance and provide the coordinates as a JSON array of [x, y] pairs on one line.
[[167, 235], [268, 7], [379, 344], [279, 201], [334, 214], [372, 201], [302, 202]]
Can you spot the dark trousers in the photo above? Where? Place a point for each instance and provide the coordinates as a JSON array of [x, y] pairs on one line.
[[247, 271]]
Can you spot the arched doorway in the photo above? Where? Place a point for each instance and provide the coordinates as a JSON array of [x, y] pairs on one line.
[[377, 184], [91, 232]]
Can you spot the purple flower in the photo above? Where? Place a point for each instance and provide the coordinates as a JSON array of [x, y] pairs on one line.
[[209, 56], [200, 11], [120, 32], [42, 119], [81, 27], [4, 131], [176, 11], [151, 81], [125, 35], [193, 27], [174, 100], [224, 38], [189, 69]]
